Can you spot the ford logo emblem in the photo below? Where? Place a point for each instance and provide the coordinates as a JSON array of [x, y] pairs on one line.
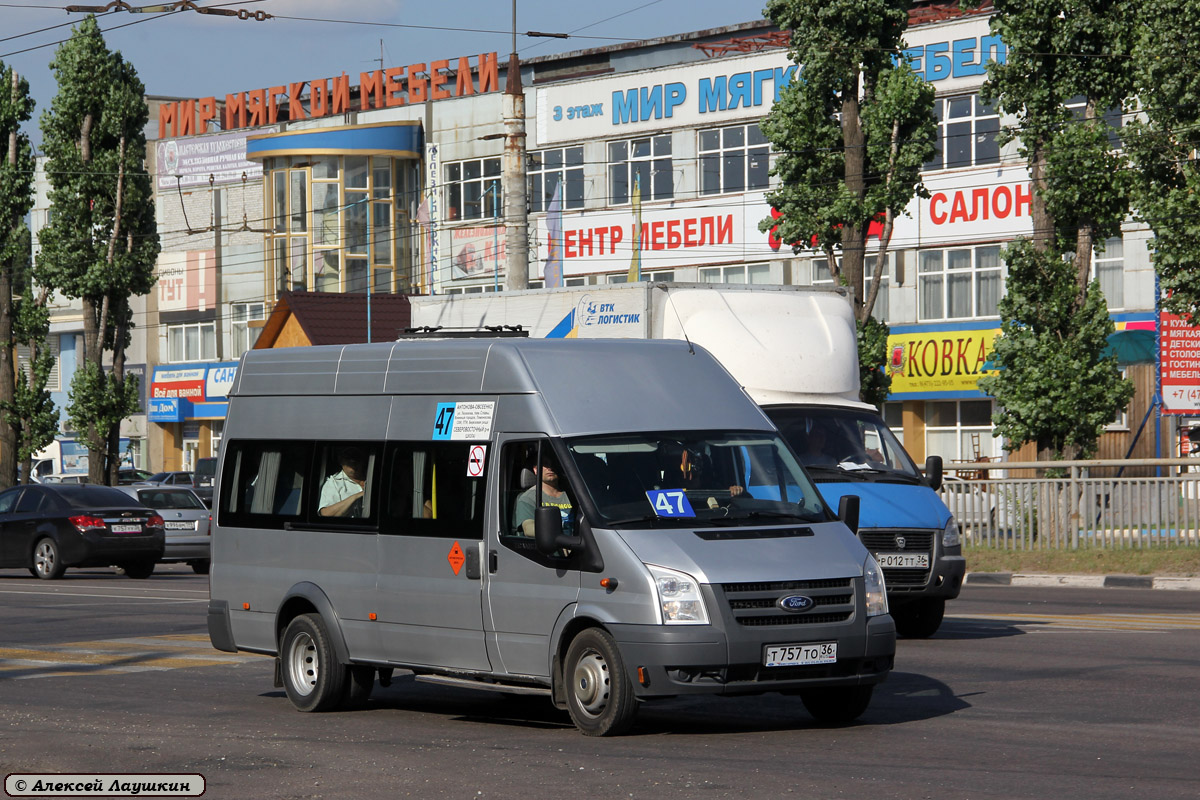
[[796, 603]]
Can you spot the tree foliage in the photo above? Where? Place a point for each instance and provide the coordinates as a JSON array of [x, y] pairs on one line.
[[1066, 66], [851, 133], [874, 381], [16, 199], [1054, 386], [102, 242], [1162, 145]]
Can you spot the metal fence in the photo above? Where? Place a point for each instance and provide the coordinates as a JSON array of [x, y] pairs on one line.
[[1077, 510]]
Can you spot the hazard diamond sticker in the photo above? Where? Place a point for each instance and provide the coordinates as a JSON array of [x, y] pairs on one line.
[[456, 557]]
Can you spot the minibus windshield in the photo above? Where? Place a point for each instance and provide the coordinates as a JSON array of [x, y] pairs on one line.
[[676, 479], [849, 443]]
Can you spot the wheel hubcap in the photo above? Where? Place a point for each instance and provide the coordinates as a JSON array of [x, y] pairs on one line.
[[303, 665], [591, 683], [43, 560]]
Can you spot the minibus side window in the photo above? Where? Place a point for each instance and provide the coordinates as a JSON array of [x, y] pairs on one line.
[[436, 489], [264, 483], [344, 479], [524, 492]]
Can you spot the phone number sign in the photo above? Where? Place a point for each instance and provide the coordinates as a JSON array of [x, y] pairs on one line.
[[1179, 364]]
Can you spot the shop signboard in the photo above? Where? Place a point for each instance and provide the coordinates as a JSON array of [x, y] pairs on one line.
[[195, 160], [1179, 364], [219, 380], [942, 363], [180, 382], [476, 251], [187, 280], [167, 409], [704, 231]]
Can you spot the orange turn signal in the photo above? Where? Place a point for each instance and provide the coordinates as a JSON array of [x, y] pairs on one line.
[[245, 606], [608, 583]]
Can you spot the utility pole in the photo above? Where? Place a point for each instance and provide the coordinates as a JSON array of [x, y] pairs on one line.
[[516, 213]]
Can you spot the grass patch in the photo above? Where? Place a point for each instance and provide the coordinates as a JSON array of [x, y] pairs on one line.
[[1172, 561]]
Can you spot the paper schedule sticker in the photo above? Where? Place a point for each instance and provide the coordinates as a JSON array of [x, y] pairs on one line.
[[463, 421]]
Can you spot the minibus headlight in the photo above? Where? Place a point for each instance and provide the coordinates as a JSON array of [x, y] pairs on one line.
[[875, 588], [951, 536], [679, 597]]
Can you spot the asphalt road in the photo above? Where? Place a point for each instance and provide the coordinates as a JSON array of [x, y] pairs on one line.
[[1024, 693]]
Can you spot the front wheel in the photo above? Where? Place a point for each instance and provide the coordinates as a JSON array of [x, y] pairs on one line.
[[312, 676], [47, 564], [919, 619], [838, 705], [599, 694]]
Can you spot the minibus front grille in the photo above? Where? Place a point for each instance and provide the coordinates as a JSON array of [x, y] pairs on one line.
[[758, 604]]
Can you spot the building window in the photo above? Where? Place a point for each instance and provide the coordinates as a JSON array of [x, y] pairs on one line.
[[733, 159], [821, 276], [646, 161], [959, 284], [959, 431], [53, 380], [335, 223], [547, 169], [244, 336], [967, 129], [1108, 266], [660, 275], [473, 189], [196, 342], [742, 273], [893, 417]]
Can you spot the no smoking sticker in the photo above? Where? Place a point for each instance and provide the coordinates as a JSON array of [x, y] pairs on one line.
[[476, 460]]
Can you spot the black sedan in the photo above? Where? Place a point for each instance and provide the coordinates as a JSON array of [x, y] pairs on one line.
[[47, 528]]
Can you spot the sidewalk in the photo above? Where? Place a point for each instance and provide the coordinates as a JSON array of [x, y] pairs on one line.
[[1082, 581]]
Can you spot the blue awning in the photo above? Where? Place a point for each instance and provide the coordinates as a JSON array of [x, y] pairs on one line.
[[394, 139]]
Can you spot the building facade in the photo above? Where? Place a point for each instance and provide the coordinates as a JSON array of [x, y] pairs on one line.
[[394, 184]]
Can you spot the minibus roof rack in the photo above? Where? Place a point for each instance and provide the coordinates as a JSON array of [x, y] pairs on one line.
[[483, 332]]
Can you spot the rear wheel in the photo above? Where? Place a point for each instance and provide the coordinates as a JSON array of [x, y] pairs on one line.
[[46, 562], [312, 676], [919, 619], [599, 694], [838, 705], [201, 566], [138, 569]]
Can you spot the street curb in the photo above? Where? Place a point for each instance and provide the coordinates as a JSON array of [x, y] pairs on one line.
[[1083, 581]]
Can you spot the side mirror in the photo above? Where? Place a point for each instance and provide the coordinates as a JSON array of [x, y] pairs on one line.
[[933, 472], [848, 512], [548, 532]]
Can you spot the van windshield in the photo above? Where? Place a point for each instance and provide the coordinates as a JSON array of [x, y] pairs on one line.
[[848, 443], [682, 479]]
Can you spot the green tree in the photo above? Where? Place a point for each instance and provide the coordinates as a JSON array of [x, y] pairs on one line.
[[101, 243], [851, 134], [1162, 145], [32, 408], [16, 198], [1066, 66], [1064, 392]]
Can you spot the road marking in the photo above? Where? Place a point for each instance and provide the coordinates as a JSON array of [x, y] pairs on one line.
[[1095, 622], [115, 656]]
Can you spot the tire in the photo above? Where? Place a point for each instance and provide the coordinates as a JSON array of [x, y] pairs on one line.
[[920, 619], [838, 705], [200, 567], [359, 683], [312, 676], [139, 570], [45, 562], [599, 694]]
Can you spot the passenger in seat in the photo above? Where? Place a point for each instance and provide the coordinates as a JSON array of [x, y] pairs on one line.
[[342, 493]]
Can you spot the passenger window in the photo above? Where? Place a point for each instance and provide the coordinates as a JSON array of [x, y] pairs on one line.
[[8, 500], [264, 482], [437, 489], [347, 473], [534, 477], [30, 502]]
